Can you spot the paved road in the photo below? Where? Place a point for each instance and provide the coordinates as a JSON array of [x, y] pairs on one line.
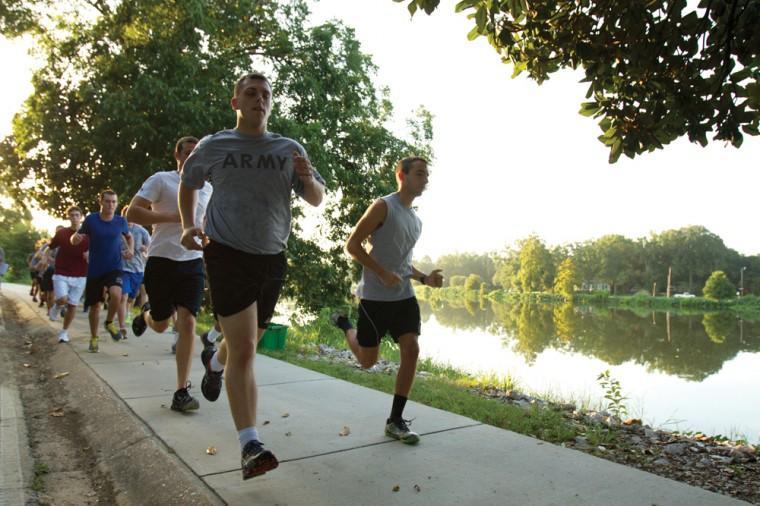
[[301, 416]]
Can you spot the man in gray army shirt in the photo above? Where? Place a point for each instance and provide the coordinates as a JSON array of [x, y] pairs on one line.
[[254, 174]]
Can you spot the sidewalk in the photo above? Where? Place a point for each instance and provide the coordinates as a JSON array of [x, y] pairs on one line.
[[301, 416]]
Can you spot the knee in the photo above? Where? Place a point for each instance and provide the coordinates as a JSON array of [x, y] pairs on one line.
[[411, 351], [242, 354]]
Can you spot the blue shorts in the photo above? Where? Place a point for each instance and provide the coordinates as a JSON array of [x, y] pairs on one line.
[[130, 285]]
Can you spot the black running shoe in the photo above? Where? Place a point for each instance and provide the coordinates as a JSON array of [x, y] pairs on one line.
[[138, 322], [183, 401], [211, 384], [255, 460]]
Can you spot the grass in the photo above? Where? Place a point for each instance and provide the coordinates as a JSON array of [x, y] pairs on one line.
[[40, 470]]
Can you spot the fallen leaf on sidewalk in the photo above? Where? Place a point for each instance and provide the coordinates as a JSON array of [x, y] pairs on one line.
[[288, 433], [285, 415], [61, 375], [125, 354], [27, 365], [211, 450], [266, 422], [345, 432], [396, 488], [57, 412], [417, 488]]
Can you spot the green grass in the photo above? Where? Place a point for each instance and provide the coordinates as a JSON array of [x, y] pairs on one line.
[[40, 470]]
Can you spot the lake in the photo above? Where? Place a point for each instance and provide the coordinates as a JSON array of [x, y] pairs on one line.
[[687, 372]]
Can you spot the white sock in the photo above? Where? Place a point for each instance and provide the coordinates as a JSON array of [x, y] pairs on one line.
[[213, 334], [246, 435], [214, 363]]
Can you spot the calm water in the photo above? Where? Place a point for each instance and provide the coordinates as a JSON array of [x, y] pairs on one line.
[[680, 372]]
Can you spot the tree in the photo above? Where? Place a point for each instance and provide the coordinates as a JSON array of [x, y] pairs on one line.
[[718, 287], [657, 69], [123, 80], [17, 240], [473, 282], [457, 280], [566, 280], [536, 265]]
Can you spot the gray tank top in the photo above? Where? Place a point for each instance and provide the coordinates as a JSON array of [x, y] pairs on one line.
[[392, 247]]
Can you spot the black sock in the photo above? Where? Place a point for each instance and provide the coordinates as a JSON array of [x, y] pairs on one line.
[[343, 323], [398, 407]]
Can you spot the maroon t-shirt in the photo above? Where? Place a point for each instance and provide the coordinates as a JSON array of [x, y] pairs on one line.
[[70, 261]]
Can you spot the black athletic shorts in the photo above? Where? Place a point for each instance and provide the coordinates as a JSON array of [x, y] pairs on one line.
[[378, 318], [238, 279], [171, 283], [93, 290], [46, 280]]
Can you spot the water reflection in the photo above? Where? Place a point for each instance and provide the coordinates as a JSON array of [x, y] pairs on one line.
[[689, 346]]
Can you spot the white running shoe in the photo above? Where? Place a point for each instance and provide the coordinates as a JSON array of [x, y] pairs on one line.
[[63, 337], [53, 313]]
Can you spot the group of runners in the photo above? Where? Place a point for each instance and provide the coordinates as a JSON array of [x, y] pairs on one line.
[[223, 218]]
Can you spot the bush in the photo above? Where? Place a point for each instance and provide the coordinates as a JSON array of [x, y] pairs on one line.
[[457, 280], [472, 282], [718, 287]]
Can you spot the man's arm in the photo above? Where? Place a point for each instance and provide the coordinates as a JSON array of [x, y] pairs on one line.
[[313, 190], [373, 218], [434, 279], [76, 238], [187, 199], [140, 211], [130, 252]]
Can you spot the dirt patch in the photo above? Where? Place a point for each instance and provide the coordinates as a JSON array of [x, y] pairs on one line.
[[65, 466]]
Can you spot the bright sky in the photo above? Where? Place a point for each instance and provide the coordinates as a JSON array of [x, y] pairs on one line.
[[514, 158]]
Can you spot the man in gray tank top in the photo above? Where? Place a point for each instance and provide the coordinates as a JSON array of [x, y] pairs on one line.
[[387, 302], [254, 174]]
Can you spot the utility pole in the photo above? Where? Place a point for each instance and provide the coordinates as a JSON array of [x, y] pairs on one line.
[[670, 272]]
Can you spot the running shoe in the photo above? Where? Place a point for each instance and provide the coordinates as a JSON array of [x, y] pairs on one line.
[[113, 330], [123, 333], [175, 339], [53, 313], [255, 460], [138, 323], [206, 342], [183, 401], [399, 429], [63, 336], [341, 321], [93, 345], [63, 311], [211, 384], [42, 302]]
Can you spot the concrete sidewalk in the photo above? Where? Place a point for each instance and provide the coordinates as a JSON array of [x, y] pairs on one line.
[[301, 416]]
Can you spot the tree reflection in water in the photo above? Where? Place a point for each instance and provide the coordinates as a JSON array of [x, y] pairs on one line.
[[690, 346]]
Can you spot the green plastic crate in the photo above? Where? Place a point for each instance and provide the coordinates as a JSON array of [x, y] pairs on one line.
[[274, 337]]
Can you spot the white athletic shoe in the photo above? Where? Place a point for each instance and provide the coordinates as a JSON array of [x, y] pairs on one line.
[[63, 337], [53, 313]]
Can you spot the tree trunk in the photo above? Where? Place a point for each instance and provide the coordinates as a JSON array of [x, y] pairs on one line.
[[670, 272]]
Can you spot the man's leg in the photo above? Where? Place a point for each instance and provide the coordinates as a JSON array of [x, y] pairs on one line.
[[240, 330], [410, 352], [114, 297], [184, 356]]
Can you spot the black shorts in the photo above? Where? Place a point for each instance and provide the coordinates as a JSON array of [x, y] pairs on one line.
[[238, 279], [93, 290], [171, 283], [46, 280], [378, 318]]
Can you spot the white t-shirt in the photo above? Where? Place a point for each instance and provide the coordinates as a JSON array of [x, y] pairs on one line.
[[161, 190]]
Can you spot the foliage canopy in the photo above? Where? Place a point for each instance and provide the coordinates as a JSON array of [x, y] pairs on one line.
[[657, 69]]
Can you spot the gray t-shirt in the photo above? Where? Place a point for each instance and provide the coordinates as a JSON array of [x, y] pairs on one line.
[[392, 247], [141, 238], [253, 180]]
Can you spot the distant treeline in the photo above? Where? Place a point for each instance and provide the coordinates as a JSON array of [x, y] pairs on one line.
[[612, 263]]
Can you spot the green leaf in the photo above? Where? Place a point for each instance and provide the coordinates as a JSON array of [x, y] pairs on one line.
[[589, 109], [615, 151], [412, 7], [474, 33], [466, 4]]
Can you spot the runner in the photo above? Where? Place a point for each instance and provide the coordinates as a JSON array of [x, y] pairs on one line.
[[70, 271], [387, 301], [132, 270], [174, 277], [254, 174], [104, 230]]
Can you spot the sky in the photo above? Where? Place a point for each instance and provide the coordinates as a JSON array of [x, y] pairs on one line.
[[511, 157]]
